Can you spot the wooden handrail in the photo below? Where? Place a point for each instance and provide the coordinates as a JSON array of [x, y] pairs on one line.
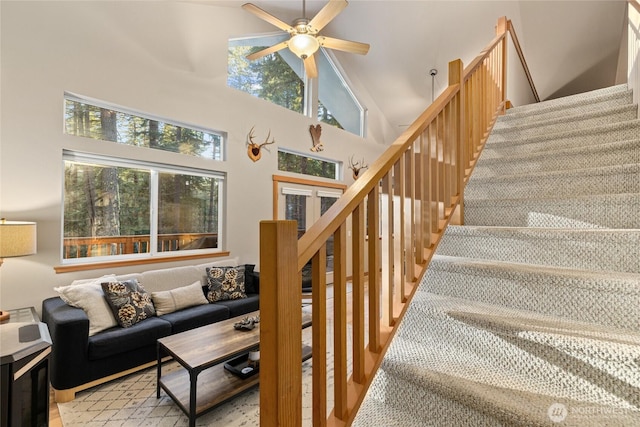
[[397, 212], [516, 44], [633, 50]]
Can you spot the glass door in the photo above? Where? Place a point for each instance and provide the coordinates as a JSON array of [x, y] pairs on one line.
[[305, 204]]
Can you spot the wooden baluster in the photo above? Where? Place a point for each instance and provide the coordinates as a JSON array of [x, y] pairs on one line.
[[358, 228], [426, 188], [434, 205], [340, 322], [398, 232], [409, 228], [319, 333], [373, 232], [387, 251], [456, 77]]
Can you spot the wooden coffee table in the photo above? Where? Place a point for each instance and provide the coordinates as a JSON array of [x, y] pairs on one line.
[[202, 383]]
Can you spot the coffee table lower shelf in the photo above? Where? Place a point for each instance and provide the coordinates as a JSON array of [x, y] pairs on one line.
[[216, 385]]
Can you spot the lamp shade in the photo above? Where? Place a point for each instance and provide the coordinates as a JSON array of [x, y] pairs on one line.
[[17, 238], [303, 45]]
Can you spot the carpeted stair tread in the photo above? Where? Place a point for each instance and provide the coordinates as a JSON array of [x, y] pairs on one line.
[[594, 249], [513, 117], [614, 153], [601, 134], [580, 295], [509, 365], [594, 211], [602, 180], [392, 403], [578, 120], [584, 98]]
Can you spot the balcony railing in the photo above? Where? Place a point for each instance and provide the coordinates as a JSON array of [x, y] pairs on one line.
[[398, 210], [81, 247]]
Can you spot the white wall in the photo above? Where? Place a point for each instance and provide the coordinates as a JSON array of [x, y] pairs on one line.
[[163, 58]]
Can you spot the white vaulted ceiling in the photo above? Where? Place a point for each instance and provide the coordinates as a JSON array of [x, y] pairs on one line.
[[570, 46]]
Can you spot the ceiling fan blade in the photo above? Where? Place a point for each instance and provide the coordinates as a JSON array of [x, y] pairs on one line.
[[266, 16], [344, 45], [310, 66], [326, 14], [267, 51]]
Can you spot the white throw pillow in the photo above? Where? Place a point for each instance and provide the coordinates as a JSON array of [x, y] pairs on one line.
[[166, 302], [88, 295]]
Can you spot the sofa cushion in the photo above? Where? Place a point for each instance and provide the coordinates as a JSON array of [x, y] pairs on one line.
[[249, 286], [170, 278], [176, 299], [121, 340], [194, 317], [129, 301], [238, 307], [89, 296], [225, 283]]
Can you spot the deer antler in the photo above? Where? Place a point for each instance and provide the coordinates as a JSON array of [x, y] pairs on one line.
[[357, 167], [254, 149]]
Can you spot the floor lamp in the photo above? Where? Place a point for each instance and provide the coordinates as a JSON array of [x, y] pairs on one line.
[[17, 238]]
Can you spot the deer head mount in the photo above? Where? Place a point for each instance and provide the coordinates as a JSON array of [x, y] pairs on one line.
[[254, 150], [315, 132], [357, 167]]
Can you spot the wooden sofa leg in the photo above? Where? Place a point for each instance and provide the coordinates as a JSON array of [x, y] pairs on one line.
[[63, 396]]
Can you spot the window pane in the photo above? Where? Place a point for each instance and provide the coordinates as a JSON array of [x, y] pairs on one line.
[[336, 97], [92, 121], [106, 210], [325, 204], [291, 162], [296, 209], [325, 116], [270, 78], [187, 212]]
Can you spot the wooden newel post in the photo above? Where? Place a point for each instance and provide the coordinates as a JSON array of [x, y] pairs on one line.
[[280, 326]]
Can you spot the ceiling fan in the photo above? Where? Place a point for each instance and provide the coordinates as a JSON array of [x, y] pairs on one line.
[[305, 40]]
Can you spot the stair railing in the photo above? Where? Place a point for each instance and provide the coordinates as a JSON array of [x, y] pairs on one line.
[[633, 50], [397, 212]]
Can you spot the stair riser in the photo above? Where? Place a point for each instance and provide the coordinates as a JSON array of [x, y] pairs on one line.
[[555, 185], [583, 300], [608, 155], [570, 213], [598, 251], [514, 132], [523, 118], [598, 136]]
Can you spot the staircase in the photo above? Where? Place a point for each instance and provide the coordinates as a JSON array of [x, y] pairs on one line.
[[530, 313]]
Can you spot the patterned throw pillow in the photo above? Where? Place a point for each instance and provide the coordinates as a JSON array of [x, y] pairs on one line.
[[129, 301], [225, 283]]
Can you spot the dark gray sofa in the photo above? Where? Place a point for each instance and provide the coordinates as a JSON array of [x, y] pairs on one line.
[[80, 361]]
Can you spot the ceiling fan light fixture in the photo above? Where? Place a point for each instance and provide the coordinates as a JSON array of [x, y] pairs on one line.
[[303, 45]]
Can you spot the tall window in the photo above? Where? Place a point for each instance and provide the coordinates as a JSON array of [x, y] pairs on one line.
[[122, 208], [100, 121], [280, 78]]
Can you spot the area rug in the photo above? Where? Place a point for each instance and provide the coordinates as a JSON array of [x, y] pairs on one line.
[[131, 401]]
